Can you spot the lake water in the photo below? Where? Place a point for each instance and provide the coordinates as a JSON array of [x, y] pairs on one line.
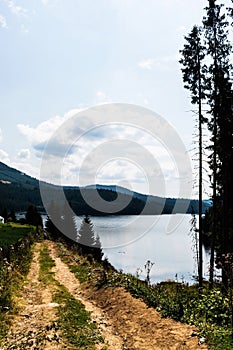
[[129, 241]]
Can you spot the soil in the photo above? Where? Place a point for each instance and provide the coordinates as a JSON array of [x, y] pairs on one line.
[[123, 321]]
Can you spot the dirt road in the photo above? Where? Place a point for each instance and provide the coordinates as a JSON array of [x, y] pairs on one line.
[[124, 322]]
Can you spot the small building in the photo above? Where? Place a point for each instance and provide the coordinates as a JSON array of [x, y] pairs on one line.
[[1, 220]]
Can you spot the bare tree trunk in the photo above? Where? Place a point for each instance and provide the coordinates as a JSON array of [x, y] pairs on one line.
[[200, 264]]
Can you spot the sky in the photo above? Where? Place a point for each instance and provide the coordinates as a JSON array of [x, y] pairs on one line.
[[61, 57]]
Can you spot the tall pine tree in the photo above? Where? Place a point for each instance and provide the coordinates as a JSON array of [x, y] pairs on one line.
[[194, 77], [220, 124]]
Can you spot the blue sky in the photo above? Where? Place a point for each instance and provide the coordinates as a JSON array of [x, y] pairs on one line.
[[60, 56]]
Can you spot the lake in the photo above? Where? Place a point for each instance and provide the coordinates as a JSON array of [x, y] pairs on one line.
[[129, 241]]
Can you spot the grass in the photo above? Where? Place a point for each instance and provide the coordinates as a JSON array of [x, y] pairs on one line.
[[12, 233], [82, 271], [75, 322], [46, 276], [79, 265], [12, 276]]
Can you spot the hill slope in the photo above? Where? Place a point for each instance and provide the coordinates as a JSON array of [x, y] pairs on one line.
[[18, 191]]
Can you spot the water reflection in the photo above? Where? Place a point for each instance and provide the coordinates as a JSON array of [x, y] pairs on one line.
[[128, 246]]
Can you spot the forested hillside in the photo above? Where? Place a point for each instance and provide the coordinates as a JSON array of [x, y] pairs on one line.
[[18, 191]]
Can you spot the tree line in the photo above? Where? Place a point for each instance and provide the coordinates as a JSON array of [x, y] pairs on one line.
[[207, 74], [60, 224]]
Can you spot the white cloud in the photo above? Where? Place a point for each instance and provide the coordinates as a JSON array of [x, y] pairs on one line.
[[163, 63], [42, 132], [101, 94], [23, 29], [119, 170], [27, 168], [50, 3], [3, 22], [40, 135], [147, 63], [4, 156], [0, 135], [110, 153], [24, 154], [181, 29], [104, 161], [15, 9]]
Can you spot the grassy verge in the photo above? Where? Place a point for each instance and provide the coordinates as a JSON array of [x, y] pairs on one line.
[[211, 313], [73, 321], [13, 282], [12, 277], [12, 233]]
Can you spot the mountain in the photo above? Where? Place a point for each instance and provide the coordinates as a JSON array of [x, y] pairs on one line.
[[11, 176], [118, 189], [18, 191], [175, 205]]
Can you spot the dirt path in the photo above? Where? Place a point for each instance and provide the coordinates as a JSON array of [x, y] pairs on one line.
[[124, 322], [142, 327], [35, 326], [67, 278]]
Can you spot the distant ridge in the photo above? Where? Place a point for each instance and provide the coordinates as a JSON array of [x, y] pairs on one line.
[[118, 189], [18, 190]]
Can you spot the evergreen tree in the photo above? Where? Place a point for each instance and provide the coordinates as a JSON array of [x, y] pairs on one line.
[[98, 252], [194, 76], [4, 214], [220, 125], [33, 217], [230, 12], [215, 77], [12, 215], [89, 243]]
